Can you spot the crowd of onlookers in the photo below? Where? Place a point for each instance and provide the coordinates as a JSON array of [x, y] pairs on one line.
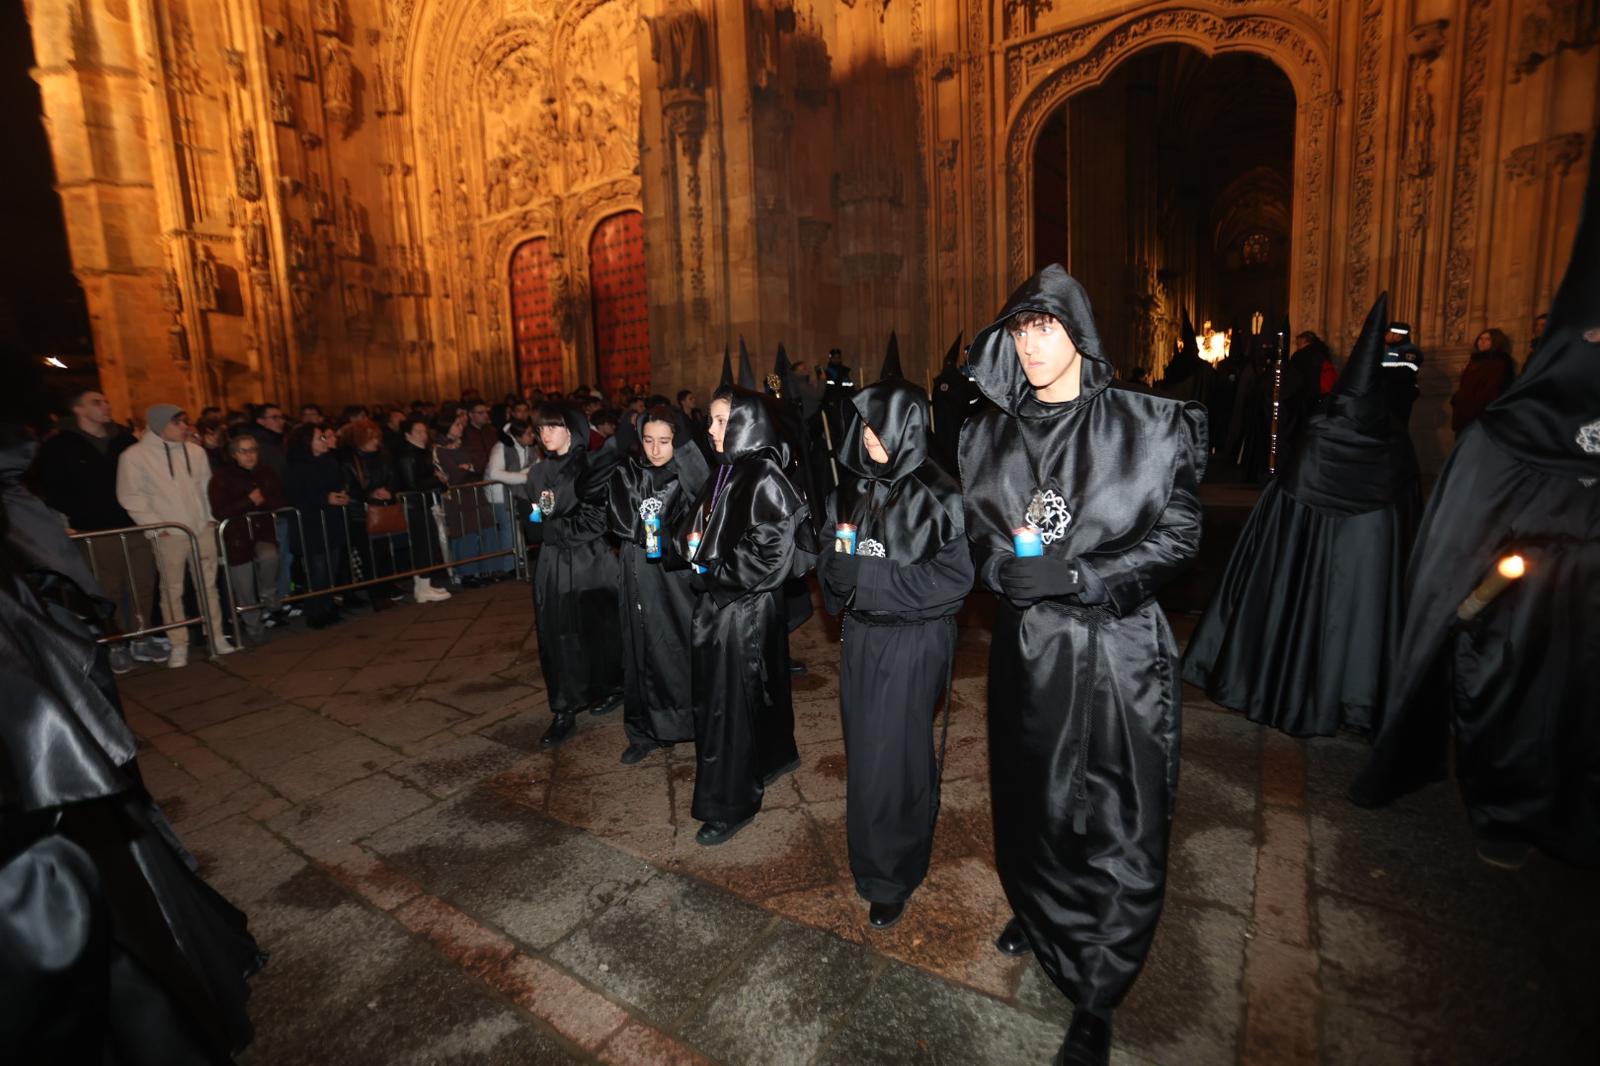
[[284, 507]]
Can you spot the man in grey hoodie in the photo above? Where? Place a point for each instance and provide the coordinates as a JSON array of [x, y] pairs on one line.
[[163, 478]]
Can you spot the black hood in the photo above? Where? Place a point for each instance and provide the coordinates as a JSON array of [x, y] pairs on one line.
[[1358, 381], [993, 359], [1550, 416], [952, 356], [573, 418], [891, 360], [747, 376], [752, 431], [897, 411]]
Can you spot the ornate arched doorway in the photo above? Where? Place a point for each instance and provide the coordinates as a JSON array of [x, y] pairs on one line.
[[534, 328], [1053, 68], [617, 286]]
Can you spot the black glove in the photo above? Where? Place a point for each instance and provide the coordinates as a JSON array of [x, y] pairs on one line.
[[843, 573], [533, 532], [698, 583], [1027, 579]]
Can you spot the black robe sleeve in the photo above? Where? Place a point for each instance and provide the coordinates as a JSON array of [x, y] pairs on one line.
[[765, 558], [931, 588]]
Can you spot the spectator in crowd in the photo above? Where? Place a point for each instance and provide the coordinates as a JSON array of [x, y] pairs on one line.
[[420, 476], [392, 437], [353, 412], [1487, 374], [369, 472], [1538, 335], [603, 426], [468, 514], [479, 436], [315, 487], [1304, 374], [76, 474], [688, 403], [212, 435], [211, 412], [244, 492], [267, 426], [310, 415], [164, 478]]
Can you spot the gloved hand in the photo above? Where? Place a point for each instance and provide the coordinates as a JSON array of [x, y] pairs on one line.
[[842, 572], [1026, 580], [697, 582], [533, 533]]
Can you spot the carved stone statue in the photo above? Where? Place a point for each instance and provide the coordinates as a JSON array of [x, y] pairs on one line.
[[327, 17], [299, 246], [499, 191], [380, 89], [350, 230], [255, 241], [317, 195], [678, 46], [205, 280], [248, 176], [300, 53], [338, 84], [171, 291], [282, 106]]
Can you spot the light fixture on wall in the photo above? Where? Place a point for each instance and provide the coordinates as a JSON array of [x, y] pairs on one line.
[[1213, 344], [54, 361], [1256, 322]]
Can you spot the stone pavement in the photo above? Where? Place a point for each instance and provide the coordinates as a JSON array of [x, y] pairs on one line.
[[434, 889]]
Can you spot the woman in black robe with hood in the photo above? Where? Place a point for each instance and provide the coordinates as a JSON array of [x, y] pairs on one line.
[[899, 593], [748, 532], [1084, 693], [575, 579], [659, 484], [112, 948], [1301, 632], [1514, 685]]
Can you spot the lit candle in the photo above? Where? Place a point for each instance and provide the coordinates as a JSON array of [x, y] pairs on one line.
[[1505, 572]]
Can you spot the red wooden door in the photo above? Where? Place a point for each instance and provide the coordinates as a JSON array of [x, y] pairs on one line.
[[621, 305], [533, 320]]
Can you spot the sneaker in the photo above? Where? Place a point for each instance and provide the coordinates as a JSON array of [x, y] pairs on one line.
[[423, 592], [147, 650], [292, 611], [179, 658], [121, 659]]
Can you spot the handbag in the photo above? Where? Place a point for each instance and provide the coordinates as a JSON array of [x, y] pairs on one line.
[[383, 520]]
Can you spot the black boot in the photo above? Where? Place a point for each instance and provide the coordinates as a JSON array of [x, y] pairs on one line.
[[883, 915], [559, 730], [637, 750], [606, 704], [1088, 1041], [718, 832], [1012, 940]]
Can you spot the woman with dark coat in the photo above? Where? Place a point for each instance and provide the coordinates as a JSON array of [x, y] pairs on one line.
[[575, 579], [649, 494], [747, 533], [315, 485], [244, 492], [1489, 372], [371, 479]]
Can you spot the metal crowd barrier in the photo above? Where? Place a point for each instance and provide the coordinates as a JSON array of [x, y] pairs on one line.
[[207, 623], [427, 524]]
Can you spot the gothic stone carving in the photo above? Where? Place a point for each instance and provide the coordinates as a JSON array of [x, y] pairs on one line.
[[338, 85], [1464, 181], [247, 176], [1364, 167], [678, 47], [299, 54], [282, 105]]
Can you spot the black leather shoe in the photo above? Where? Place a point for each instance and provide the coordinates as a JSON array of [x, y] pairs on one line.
[[883, 915], [637, 751], [1012, 940], [787, 768], [1088, 1040], [797, 668], [606, 705], [718, 832], [559, 730]]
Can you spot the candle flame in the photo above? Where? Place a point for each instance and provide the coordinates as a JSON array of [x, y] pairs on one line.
[[1512, 566]]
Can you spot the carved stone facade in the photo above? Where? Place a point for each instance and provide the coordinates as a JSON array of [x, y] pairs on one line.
[[322, 199]]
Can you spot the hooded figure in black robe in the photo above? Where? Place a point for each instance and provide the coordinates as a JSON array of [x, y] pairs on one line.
[[955, 399], [899, 593], [1514, 686], [112, 949], [576, 578], [1301, 631], [657, 603], [755, 533], [1084, 692]]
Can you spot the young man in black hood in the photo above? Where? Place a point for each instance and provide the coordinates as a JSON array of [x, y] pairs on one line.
[[1081, 502]]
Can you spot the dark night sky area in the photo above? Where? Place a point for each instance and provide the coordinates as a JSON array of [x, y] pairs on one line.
[[41, 306]]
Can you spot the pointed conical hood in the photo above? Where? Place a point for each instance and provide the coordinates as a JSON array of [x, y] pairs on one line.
[[727, 368], [953, 354], [780, 363], [891, 361], [1550, 416], [747, 376], [1360, 376]]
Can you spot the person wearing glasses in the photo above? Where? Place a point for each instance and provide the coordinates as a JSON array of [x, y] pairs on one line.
[[165, 478]]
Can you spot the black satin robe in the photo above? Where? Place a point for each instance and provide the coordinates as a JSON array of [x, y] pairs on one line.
[[657, 604], [111, 947], [1301, 631], [755, 535], [1084, 701], [1516, 687], [897, 637], [575, 583]]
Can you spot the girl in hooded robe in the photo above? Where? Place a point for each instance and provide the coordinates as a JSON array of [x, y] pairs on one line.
[[746, 533], [899, 593], [575, 579], [649, 494]]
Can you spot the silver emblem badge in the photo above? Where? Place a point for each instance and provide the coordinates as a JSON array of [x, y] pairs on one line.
[[1589, 437], [1047, 512], [872, 549]]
